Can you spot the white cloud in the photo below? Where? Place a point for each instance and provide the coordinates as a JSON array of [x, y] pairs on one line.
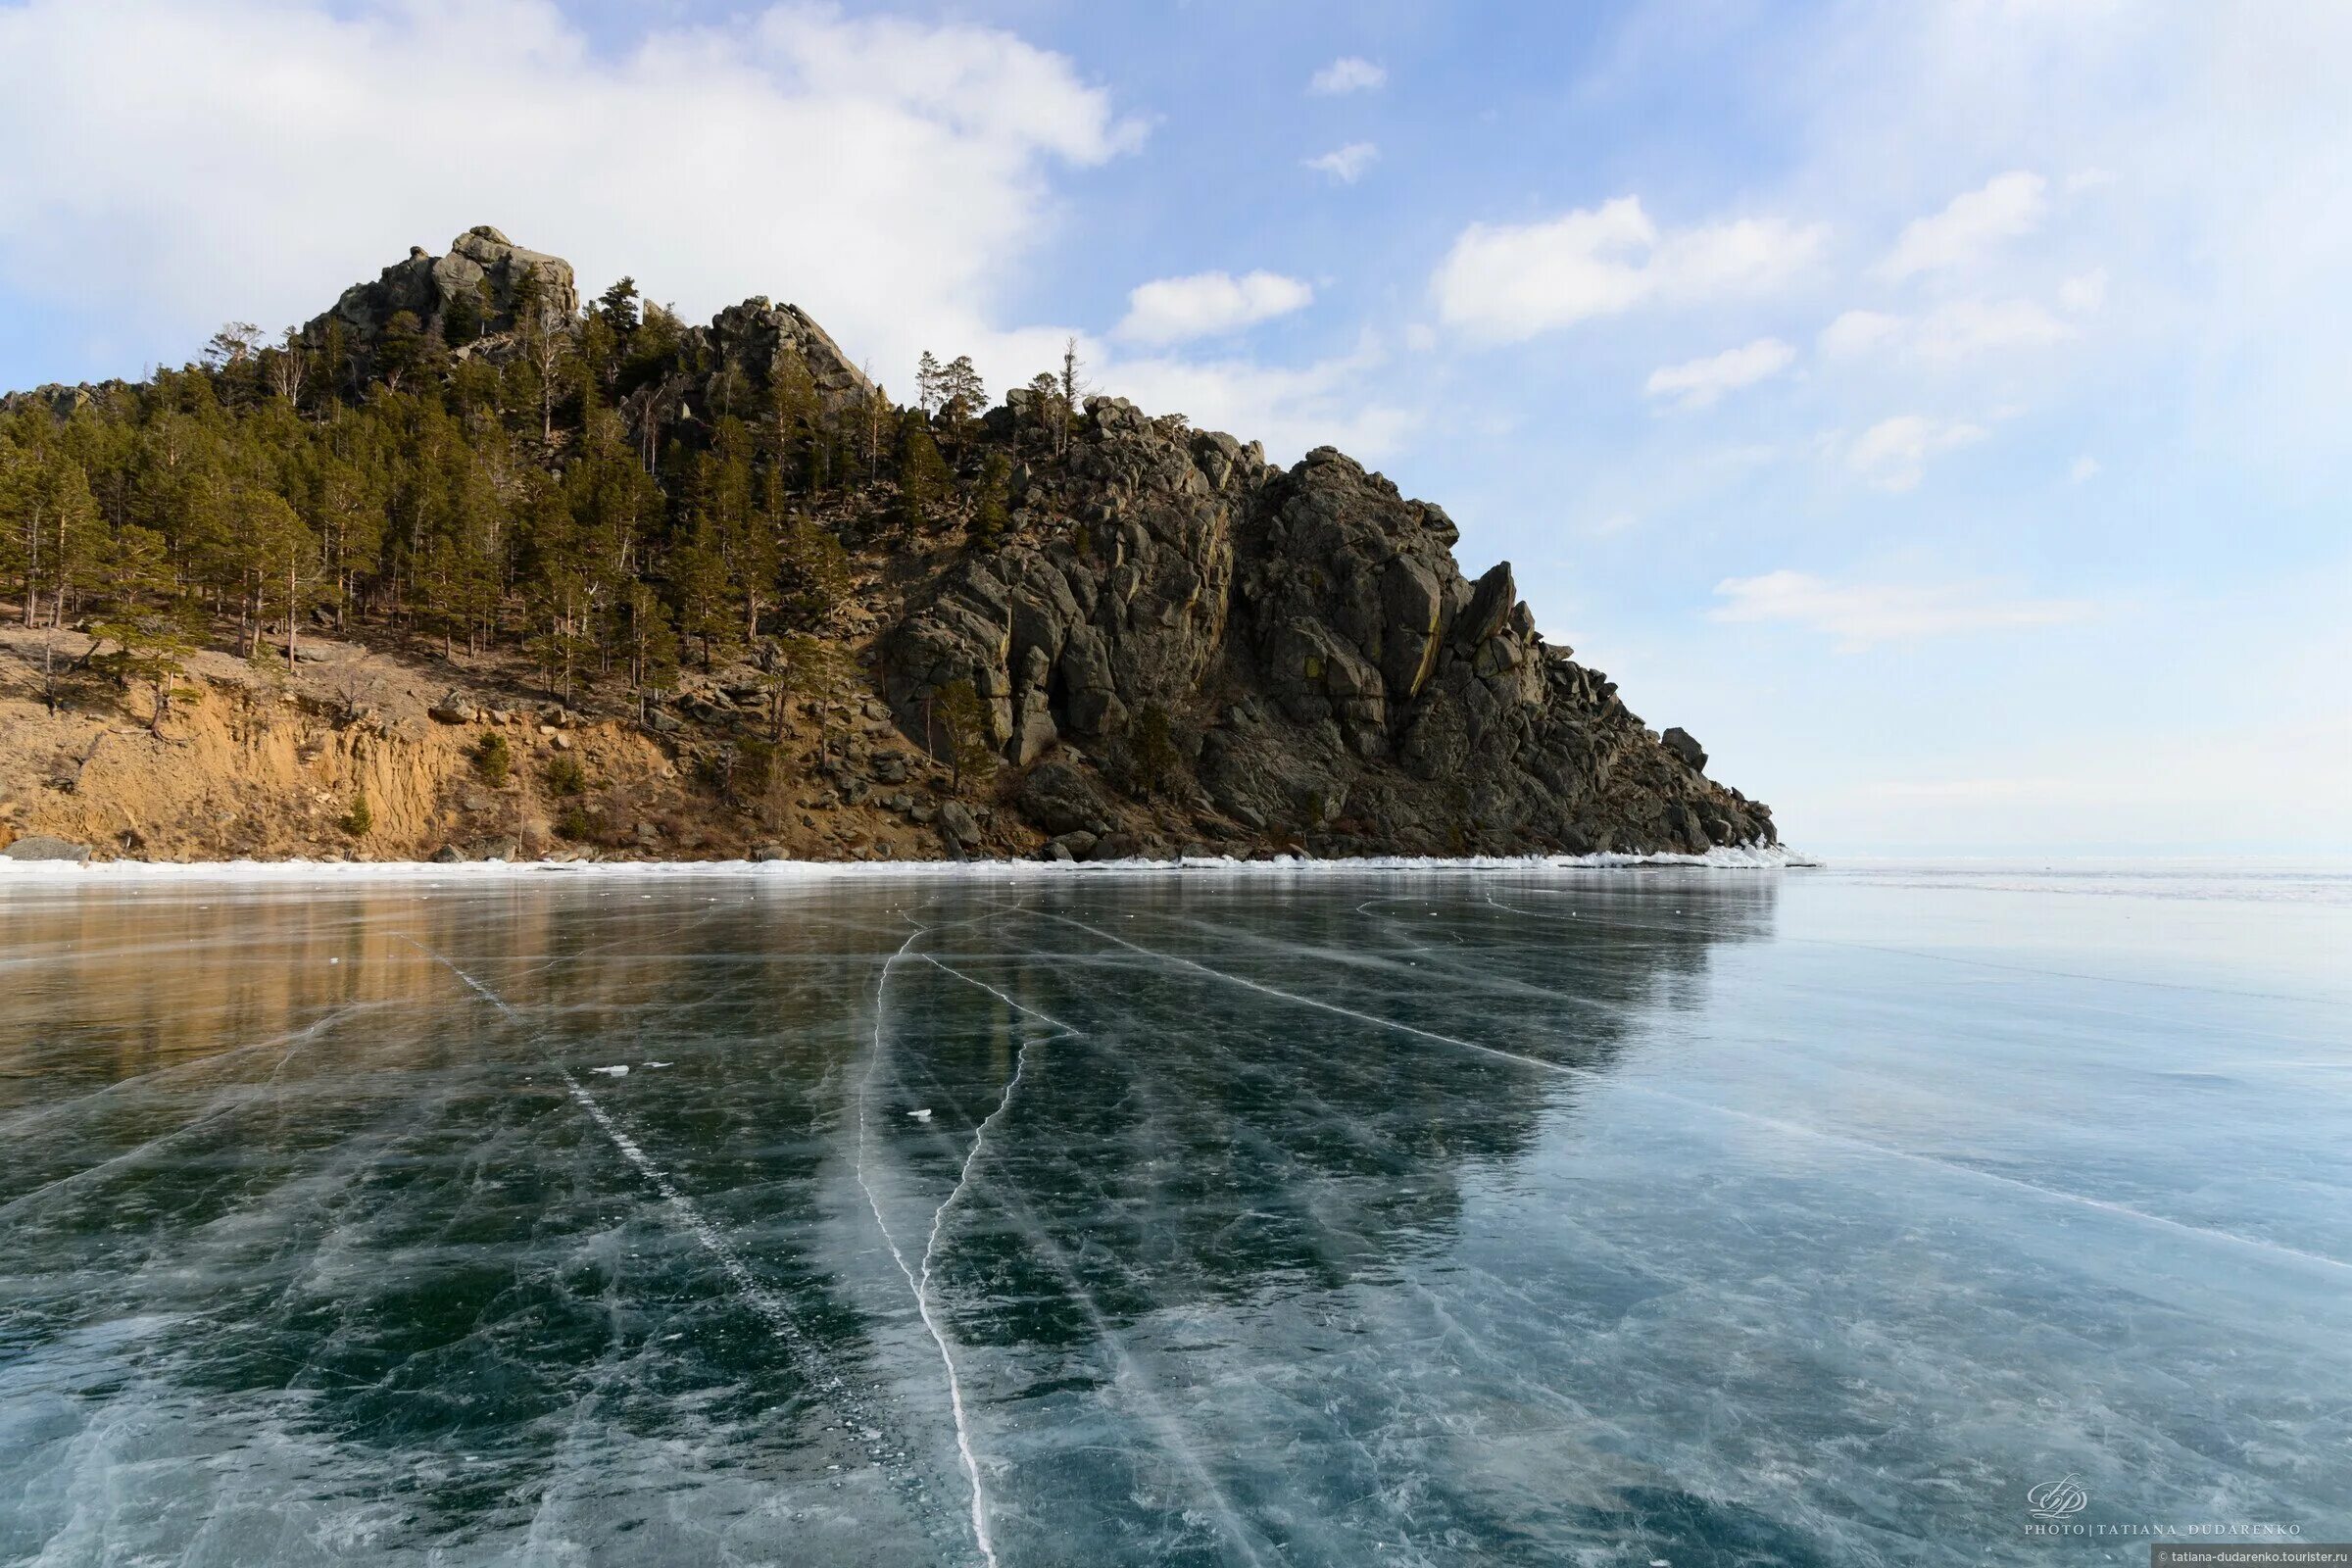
[[1289, 409], [1958, 329], [1170, 310], [1698, 383], [1348, 74], [2085, 468], [884, 173], [1508, 282], [1862, 614], [1892, 453], [1965, 329], [2006, 206], [2085, 291], [1859, 332], [1346, 164]]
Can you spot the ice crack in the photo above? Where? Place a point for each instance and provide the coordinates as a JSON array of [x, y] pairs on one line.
[[690, 1218], [1778, 1124], [921, 1282]]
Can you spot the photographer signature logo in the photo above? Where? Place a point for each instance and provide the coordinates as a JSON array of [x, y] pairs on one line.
[[2057, 1500]]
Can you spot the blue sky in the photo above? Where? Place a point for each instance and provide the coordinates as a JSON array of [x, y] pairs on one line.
[[1939, 409]]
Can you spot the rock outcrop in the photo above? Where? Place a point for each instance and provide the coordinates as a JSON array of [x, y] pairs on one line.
[[1183, 642], [43, 847], [488, 292], [755, 339], [480, 289]]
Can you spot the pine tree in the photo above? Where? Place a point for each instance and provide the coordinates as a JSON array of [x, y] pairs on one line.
[[990, 518], [923, 476], [152, 643], [792, 418], [560, 607], [400, 350], [21, 503], [652, 646], [272, 547], [879, 415], [815, 574], [618, 307], [959, 724], [77, 534], [962, 399], [743, 534], [461, 319], [1073, 387], [232, 347], [1045, 405], [544, 345], [493, 760], [698, 573], [1151, 748]]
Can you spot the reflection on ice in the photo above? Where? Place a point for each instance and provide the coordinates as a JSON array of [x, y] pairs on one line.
[[1518, 1216]]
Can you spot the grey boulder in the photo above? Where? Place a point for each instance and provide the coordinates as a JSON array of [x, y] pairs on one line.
[[41, 847]]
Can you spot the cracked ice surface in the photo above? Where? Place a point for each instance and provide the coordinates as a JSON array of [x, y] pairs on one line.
[[1517, 1215]]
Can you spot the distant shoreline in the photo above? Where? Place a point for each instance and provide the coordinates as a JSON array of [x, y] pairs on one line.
[[50, 872]]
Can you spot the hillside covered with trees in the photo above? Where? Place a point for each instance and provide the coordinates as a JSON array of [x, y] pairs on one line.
[[506, 469], [785, 602]]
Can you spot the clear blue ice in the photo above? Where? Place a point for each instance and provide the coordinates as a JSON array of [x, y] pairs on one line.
[[1211, 1217]]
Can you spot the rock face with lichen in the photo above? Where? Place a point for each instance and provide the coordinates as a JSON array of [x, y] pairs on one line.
[[1181, 641]]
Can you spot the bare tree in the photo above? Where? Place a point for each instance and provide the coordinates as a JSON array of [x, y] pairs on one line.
[[234, 344], [290, 367]]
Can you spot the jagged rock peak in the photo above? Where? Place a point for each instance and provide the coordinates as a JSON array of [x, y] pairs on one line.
[[755, 335], [477, 291], [472, 291]]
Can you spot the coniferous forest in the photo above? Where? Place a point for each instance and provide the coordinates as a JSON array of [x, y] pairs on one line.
[[525, 491]]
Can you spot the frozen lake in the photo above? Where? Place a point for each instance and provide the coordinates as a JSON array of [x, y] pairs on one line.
[[1184, 1218]]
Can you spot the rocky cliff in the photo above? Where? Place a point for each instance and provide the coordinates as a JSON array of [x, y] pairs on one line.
[[1158, 642], [1181, 640]]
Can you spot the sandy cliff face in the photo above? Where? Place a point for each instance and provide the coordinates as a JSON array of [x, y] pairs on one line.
[[265, 762]]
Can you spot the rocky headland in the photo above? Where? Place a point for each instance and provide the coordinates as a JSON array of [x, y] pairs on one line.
[[1096, 634]]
